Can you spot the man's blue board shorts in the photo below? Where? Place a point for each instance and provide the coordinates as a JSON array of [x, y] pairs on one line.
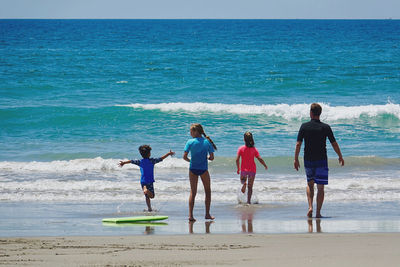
[[317, 171]]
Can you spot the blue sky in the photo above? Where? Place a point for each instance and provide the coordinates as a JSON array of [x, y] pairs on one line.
[[218, 9]]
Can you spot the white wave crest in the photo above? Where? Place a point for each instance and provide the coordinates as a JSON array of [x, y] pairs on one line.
[[82, 165], [286, 111]]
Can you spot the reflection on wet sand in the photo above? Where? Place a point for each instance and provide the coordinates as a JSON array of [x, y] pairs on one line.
[[149, 230], [310, 225], [206, 223], [246, 214]]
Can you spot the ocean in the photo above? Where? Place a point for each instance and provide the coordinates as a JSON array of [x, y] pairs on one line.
[[78, 96]]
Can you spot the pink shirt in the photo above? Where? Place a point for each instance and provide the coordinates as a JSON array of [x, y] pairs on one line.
[[248, 154]]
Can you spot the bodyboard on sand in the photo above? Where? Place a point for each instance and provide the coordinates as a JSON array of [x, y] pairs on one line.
[[135, 219]]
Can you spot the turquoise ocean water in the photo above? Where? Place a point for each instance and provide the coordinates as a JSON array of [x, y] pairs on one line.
[[76, 96]]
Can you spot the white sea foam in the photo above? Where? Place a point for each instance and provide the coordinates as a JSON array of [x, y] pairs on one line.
[[174, 186], [82, 166], [98, 180], [288, 112]]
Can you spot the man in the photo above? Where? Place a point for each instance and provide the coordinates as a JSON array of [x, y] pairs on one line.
[[315, 133]]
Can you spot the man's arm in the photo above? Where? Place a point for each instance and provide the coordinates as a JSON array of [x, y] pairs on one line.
[[296, 155], [335, 146]]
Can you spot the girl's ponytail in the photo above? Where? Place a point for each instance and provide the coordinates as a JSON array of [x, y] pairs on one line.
[[209, 139], [198, 128]]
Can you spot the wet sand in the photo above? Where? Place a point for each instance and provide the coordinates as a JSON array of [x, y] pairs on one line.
[[373, 249]]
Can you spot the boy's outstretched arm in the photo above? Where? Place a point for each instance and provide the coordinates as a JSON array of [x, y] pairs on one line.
[[170, 153], [122, 163], [335, 146], [262, 162]]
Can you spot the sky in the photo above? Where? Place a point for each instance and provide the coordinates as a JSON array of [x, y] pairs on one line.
[[190, 9]]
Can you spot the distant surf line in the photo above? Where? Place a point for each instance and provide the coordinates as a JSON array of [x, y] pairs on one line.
[[286, 111]]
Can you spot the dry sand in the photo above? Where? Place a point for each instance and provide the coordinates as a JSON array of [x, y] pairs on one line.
[[381, 249]]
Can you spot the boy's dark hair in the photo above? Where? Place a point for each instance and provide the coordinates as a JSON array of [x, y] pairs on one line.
[[145, 151], [316, 109]]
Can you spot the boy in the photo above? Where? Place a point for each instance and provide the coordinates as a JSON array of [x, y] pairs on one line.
[[147, 170]]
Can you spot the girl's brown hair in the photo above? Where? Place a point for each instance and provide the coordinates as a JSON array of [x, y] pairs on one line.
[[199, 129], [248, 139]]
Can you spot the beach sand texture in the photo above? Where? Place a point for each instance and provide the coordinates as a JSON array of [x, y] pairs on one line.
[[205, 250]]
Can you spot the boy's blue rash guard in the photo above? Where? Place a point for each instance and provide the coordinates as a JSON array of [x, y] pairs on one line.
[[146, 169], [199, 148]]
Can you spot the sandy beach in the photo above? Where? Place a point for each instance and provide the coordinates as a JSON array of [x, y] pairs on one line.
[[375, 249]]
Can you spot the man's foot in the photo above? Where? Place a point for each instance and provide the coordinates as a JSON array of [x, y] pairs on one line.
[[318, 215], [243, 188], [192, 219], [209, 217], [309, 213]]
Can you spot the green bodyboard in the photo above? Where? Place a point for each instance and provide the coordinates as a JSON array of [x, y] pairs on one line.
[[135, 219]]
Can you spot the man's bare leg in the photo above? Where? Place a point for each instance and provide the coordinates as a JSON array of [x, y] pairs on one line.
[[320, 199], [310, 198]]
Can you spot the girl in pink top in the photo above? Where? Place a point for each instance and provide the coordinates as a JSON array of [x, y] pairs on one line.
[[247, 169]]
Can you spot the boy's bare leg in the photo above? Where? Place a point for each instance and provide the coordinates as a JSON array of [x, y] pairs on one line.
[[205, 178], [148, 194], [148, 202], [193, 191], [250, 189], [310, 197], [320, 199]]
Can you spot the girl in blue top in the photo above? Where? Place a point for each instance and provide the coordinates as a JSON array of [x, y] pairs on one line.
[[199, 147]]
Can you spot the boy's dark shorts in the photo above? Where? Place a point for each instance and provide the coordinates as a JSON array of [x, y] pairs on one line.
[[149, 187], [317, 171]]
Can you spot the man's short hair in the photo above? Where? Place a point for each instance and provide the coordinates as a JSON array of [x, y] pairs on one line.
[[145, 151], [316, 109]]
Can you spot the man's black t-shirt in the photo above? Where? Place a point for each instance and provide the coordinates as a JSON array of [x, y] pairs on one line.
[[314, 133]]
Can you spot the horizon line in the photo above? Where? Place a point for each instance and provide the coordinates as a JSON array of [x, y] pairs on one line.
[[200, 18]]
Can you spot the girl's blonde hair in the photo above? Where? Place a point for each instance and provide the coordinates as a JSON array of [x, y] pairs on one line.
[[199, 129], [248, 139]]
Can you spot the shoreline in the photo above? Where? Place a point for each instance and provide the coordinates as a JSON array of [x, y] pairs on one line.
[[85, 219], [371, 249]]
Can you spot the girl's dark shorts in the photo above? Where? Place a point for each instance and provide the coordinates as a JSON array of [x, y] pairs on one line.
[[197, 172]]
